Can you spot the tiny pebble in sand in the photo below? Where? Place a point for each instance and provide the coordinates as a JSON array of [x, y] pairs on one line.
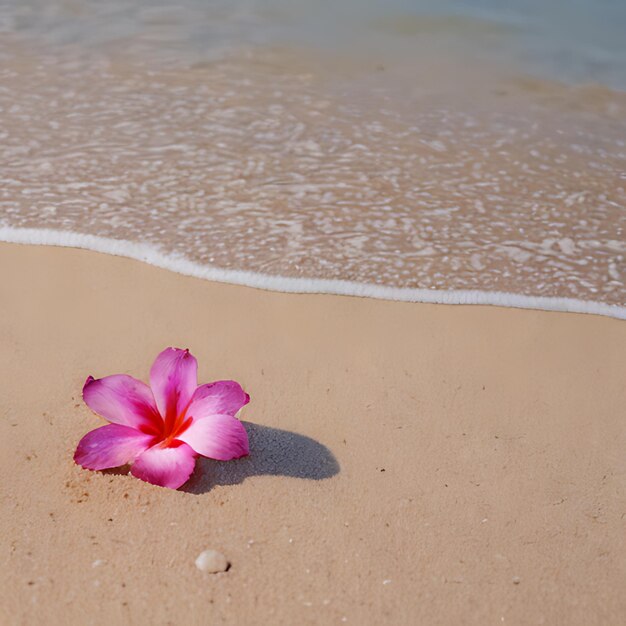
[[212, 561]]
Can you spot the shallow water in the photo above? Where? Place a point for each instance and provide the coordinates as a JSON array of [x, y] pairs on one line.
[[415, 146]]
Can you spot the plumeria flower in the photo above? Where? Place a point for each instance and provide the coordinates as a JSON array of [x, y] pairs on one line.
[[160, 429]]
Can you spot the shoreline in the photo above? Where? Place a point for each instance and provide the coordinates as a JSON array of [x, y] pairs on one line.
[[409, 463], [151, 255]]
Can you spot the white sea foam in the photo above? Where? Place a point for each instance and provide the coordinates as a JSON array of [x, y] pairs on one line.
[[152, 255]]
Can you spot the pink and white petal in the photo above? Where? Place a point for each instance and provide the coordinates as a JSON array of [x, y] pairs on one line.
[[111, 446], [173, 378], [167, 467], [224, 396], [221, 437], [121, 399]]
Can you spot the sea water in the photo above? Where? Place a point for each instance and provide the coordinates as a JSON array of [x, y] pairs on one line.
[[430, 151]]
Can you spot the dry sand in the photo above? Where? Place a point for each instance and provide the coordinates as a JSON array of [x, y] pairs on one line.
[[410, 463]]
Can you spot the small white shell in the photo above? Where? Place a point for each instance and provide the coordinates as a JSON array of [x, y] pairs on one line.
[[212, 561]]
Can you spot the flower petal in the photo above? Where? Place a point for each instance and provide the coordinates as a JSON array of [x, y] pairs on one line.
[[224, 396], [121, 399], [167, 467], [111, 446], [221, 437], [173, 378]]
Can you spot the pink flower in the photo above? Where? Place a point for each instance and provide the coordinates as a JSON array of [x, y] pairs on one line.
[[161, 429]]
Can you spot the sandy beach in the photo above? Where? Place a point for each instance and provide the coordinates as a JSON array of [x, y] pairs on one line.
[[341, 207], [410, 463]]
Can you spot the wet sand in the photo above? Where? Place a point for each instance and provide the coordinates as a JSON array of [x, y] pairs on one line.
[[410, 463]]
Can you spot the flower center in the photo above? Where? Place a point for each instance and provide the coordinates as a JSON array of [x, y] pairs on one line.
[[173, 428]]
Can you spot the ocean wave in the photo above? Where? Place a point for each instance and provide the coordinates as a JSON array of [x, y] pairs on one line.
[[154, 256]]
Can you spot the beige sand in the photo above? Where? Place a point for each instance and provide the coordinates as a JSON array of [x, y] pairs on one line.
[[410, 463]]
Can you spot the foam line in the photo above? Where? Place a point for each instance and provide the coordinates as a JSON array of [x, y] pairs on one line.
[[152, 255]]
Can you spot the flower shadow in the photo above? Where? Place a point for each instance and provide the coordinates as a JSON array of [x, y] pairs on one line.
[[273, 452]]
